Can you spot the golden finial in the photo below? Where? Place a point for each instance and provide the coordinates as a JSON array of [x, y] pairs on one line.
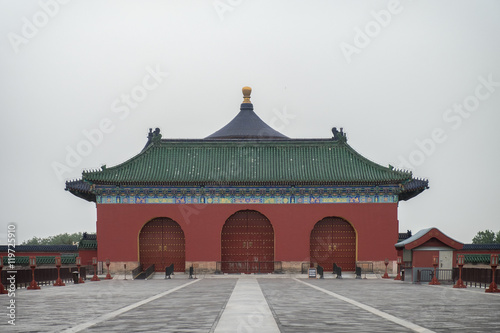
[[246, 94]]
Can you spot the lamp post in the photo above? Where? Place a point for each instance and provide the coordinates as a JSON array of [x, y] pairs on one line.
[[461, 261], [94, 263], [108, 276], [59, 282], [435, 263], [386, 262], [33, 285], [2, 288], [400, 261], [78, 264], [493, 263]]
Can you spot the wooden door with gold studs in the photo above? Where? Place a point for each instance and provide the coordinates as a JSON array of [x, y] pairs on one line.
[[162, 243], [333, 240], [247, 243]]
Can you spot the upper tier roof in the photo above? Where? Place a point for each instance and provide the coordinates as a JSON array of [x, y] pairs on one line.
[[246, 125], [247, 152], [287, 162]]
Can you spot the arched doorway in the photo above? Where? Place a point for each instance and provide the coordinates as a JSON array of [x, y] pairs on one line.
[[161, 242], [247, 243], [333, 240]]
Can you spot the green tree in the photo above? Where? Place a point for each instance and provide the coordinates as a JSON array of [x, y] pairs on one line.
[[486, 237], [61, 239]]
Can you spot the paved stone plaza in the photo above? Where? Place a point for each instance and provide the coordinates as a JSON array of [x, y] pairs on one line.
[[248, 303]]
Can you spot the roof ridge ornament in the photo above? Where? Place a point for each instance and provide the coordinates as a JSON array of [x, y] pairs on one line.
[[246, 94], [339, 135], [155, 136]]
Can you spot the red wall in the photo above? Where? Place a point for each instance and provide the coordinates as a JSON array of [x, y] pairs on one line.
[[424, 258], [86, 256], [118, 227]]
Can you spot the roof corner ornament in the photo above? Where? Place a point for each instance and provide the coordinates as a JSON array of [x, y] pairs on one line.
[[339, 135], [155, 136], [246, 94]]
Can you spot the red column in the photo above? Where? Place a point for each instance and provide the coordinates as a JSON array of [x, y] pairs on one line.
[[33, 285], [94, 263], [386, 262], [400, 260], [78, 264], [435, 263], [59, 282], [493, 286], [108, 276], [460, 283]]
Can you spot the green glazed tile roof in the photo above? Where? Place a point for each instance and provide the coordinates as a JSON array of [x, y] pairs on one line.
[[247, 152], [43, 260], [87, 244], [236, 162], [476, 258]]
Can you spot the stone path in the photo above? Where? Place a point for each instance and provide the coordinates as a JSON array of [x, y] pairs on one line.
[[269, 303], [246, 310]]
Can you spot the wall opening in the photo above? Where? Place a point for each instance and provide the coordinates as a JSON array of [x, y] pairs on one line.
[[247, 243], [333, 241], [162, 243]]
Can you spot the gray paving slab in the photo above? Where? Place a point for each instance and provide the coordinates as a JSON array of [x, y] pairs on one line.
[[438, 308], [52, 309], [192, 309], [175, 306], [300, 308]]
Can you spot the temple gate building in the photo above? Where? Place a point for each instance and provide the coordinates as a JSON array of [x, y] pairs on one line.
[[246, 199]]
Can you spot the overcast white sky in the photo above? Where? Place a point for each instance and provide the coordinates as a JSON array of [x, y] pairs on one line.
[[395, 75]]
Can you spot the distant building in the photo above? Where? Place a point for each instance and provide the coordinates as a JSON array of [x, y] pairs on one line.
[[246, 199], [45, 254], [418, 251]]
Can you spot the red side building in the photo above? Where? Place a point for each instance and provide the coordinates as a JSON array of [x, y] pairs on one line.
[[45, 254], [418, 251], [246, 199]]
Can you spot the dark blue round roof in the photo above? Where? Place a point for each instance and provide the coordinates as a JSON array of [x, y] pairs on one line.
[[246, 124]]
